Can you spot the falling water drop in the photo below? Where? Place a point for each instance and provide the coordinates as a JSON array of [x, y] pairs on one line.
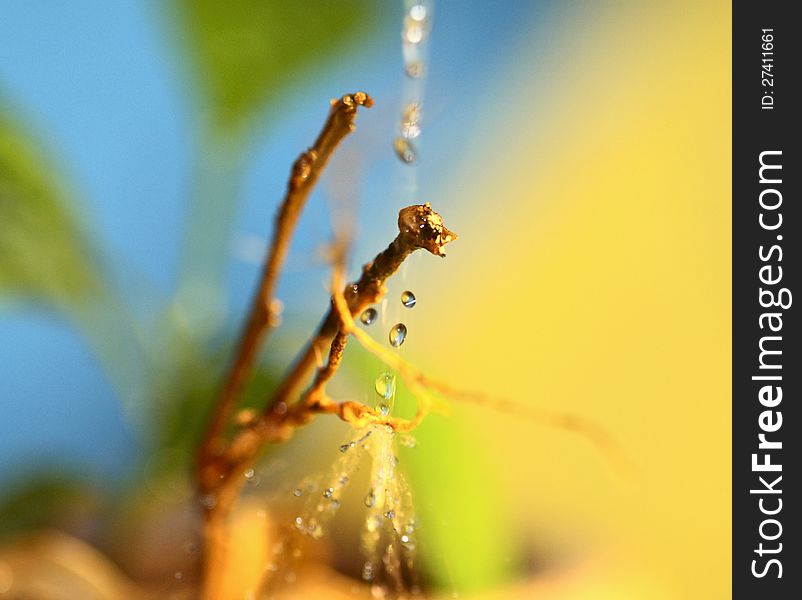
[[410, 120], [385, 385], [368, 316], [414, 31], [408, 299], [414, 69], [398, 334], [407, 441], [404, 150], [418, 12]]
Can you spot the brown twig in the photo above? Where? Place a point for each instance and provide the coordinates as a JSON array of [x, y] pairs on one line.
[[305, 172], [216, 486], [419, 227], [420, 384]]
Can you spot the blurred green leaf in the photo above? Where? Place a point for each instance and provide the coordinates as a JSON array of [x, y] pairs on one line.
[[248, 51], [43, 253], [49, 499]]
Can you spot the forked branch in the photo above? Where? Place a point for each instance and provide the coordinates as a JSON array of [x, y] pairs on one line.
[[305, 172]]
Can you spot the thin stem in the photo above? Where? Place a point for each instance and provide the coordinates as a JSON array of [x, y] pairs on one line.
[[262, 318]]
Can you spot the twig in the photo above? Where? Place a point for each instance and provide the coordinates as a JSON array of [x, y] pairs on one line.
[[262, 317], [218, 487], [419, 226], [420, 384]]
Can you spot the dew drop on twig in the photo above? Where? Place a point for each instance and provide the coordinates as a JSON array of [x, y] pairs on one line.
[[368, 316]]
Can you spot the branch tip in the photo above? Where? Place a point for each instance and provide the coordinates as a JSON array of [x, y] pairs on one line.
[[422, 227]]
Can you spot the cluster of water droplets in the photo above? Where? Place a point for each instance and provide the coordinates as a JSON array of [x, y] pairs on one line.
[[388, 537], [398, 332], [415, 31]]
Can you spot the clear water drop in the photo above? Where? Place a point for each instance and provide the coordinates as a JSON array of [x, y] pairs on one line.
[[414, 69], [407, 441], [385, 385], [404, 150], [328, 493], [410, 120], [368, 316], [384, 409], [407, 542], [249, 474], [367, 571], [370, 499], [389, 514], [408, 299], [414, 30], [418, 12], [398, 334], [297, 492]]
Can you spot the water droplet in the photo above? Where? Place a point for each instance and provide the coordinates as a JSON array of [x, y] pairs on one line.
[[249, 474], [367, 571], [335, 504], [414, 69], [407, 441], [410, 120], [404, 150], [370, 499], [384, 409], [297, 492], [385, 385], [407, 542], [389, 514], [417, 12], [368, 316], [328, 493], [209, 501], [414, 32], [398, 334], [408, 299], [343, 480], [299, 522]]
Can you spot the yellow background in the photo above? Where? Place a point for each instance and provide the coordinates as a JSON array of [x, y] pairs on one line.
[[593, 275]]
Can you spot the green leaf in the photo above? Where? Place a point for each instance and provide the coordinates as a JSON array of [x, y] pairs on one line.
[[44, 255], [247, 52], [49, 499]]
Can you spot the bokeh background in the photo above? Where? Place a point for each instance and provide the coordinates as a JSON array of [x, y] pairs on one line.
[[580, 149]]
